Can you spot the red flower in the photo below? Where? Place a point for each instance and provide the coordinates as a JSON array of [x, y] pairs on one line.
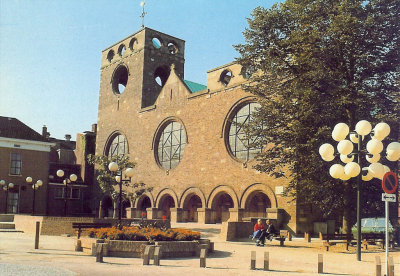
[[164, 218], [143, 214]]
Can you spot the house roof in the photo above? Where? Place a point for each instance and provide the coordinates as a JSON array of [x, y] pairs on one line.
[[195, 87], [14, 128]]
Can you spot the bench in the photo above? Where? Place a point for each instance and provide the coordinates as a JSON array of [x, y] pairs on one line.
[[87, 225], [333, 239], [283, 234], [373, 238]]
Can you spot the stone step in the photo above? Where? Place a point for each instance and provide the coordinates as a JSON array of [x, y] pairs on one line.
[[6, 218], [11, 231], [7, 225]]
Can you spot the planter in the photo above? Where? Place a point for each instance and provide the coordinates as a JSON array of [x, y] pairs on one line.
[[135, 249]]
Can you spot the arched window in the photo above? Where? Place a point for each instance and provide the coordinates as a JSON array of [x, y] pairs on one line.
[[171, 145], [241, 146], [118, 146]]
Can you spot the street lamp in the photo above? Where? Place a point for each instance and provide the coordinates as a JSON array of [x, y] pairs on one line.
[[6, 188], [66, 181], [35, 186], [372, 154], [113, 167]]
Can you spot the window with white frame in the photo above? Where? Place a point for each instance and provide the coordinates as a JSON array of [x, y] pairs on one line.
[[16, 164]]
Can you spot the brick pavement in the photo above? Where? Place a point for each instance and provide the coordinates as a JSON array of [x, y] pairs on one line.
[[56, 256]]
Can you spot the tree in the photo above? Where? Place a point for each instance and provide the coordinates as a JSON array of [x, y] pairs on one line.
[[106, 179], [323, 62]]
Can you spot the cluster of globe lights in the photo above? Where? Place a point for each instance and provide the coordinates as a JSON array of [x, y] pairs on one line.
[[374, 148], [35, 186], [10, 185]]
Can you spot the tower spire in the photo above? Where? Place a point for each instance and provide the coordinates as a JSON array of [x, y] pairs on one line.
[[143, 12]]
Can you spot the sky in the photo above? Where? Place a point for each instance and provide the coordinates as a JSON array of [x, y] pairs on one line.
[[50, 50]]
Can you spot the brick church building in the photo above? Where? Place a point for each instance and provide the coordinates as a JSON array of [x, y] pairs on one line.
[[184, 138]]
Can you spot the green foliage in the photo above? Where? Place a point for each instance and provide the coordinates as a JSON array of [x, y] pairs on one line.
[[106, 179], [324, 62]]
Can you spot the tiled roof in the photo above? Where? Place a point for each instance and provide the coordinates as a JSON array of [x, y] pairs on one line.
[[14, 128], [195, 87]]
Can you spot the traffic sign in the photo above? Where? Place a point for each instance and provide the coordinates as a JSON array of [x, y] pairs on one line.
[[389, 182], [389, 197]]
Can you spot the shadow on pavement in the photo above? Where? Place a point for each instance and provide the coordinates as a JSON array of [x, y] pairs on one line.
[[219, 254]]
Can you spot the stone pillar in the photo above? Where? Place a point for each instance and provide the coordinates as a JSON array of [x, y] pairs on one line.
[[204, 215], [101, 215], [236, 214], [176, 214], [115, 212], [152, 213], [131, 213]]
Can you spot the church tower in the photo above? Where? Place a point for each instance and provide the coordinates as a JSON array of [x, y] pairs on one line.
[[136, 68], [133, 72]]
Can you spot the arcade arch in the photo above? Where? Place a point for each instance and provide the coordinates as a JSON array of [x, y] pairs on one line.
[[222, 198], [191, 200]]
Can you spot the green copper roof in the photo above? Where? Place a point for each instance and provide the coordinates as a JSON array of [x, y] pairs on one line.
[[194, 87]]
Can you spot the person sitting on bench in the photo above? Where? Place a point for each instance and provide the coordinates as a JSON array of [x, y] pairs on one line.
[[259, 233], [268, 232], [258, 227]]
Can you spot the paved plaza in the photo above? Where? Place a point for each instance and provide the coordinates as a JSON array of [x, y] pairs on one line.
[[56, 256]]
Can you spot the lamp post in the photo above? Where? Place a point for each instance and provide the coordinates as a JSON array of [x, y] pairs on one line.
[[371, 153], [35, 186], [6, 188], [66, 181], [113, 167]]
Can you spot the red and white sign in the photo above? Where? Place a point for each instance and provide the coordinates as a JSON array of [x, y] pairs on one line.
[[390, 182]]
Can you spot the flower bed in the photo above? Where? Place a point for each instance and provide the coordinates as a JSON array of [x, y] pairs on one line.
[[131, 241], [150, 234]]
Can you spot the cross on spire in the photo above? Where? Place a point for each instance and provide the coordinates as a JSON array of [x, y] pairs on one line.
[[143, 12]]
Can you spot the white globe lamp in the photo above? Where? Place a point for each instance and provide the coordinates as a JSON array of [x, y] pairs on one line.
[[374, 158], [60, 173], [340, 131], [354, 138], [73, 177], [352, 169], [381, 130], [345, 159], [129, 172], [363, 127], [345, 147], [113, 166], [374, 146], [336, 170], [376, 170]]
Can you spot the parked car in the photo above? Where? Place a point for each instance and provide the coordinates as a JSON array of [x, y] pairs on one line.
[[376, 225]]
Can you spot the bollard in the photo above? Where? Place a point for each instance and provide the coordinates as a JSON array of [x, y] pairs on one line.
[[378, 266], [157, 255], [148, 253], [320, 263], [37, 235], [203, 255], [289, 236], [99, 252], [266, 261], [253, 260], [307, 237], [146, 257], [390, 269], [78, 246]]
